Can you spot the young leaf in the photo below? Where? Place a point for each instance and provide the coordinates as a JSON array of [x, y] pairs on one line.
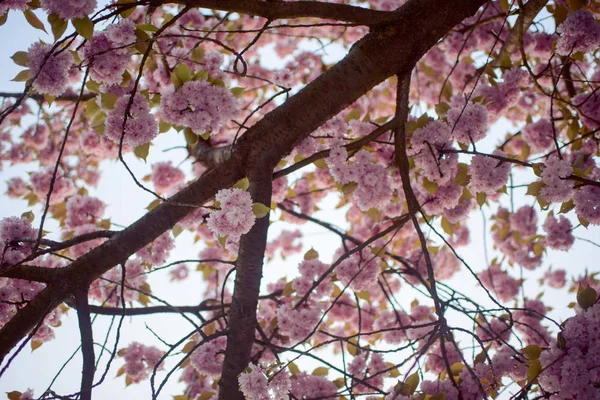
[[20, 58], [34, 20], [142, 151], [84, 26], [21, 76], [58, 26], [260, 210], [243, 184]]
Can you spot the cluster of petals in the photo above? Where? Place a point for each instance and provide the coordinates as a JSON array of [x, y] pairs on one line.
[[83, 210], [310, 271], [69, 9], [570, 371], [539, 135], [140, 360], [198, 105], [427, 144], [505, 286], [559, 235], [305, 386], [11, 229], [165, 176], [359, 272], [298, 323], [588, 106], [488, 174], [579, 33], [157, 252], [107, 60], [235, 217], [61, 189], [141, 126], [255, 386], [122, 33], [287, 241], [587, 203], [554, 174], [107, 289], [469, 123], [207, 359], [49, 67], [6, 5]]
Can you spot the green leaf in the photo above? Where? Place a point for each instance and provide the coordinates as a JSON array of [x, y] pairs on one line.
[[534, 188], [537, 169], [34, 20], [430, 186], [84, 26], [349, 188], [354, 114], [147, 27], [183, 73], [108, 100], [312, 254], [21, 76], [260, 210], [58, 26], [177, 229], [534, 369], [190, 137], [3, 18], [586, 297], [481, 197], [532, 352], [442, 108], [29, 216], [237, 91], [20, 58], [222, 241], [164, 127], [410, 384], [142, 151], [583, 221], [567, 206], [320, 371], [243, 184]]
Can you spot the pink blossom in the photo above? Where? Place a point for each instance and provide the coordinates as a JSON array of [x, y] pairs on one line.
[[122, 33], [524, 220], [165, 176], [83, 210], [207, 359], [199, 106], [141, 126], [63, 186], [106, 62], [559, 235], [6, 5], [505, 286], [556, 278], [297, 323], [557, 189], [587, 203], [85, 247], [253, 383], [12, 228], [539, 135], [140, 360], [49, 67], [588, 106], [157, 252], [69, 9], [16, 188], [579, 33], [488, 174], [426, 146], [235, 216], [305, 386], [469, 123]]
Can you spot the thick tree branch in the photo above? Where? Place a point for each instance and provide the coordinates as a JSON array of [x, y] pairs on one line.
[[87, 343], [379, 55], [296, 9]]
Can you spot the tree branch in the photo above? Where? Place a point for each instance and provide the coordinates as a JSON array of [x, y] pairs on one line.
[[87, 343]]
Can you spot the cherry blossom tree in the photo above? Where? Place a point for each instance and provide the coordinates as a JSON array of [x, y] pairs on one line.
[[437, 110]]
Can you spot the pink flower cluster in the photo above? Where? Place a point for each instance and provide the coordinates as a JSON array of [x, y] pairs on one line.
[[165, 177], [140, 360], [488, 174], [157, 252], [12, 228], [310, 271], [62, 188], [207, 359], [579, 33], [123, 33], [539, 135], [198, 105], [106, 60], [505, 286], [255, 386], [305, 386], [588, 106], [468, 123], [141, 126], [557, 189], [6, 5], [373, 182], [359, 272], [298, 323], [83, 210], [286, 241], [235, 217], [571, 371], [50, 68], [69, 9], [587, 203], [427, 144], [559, 233]]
